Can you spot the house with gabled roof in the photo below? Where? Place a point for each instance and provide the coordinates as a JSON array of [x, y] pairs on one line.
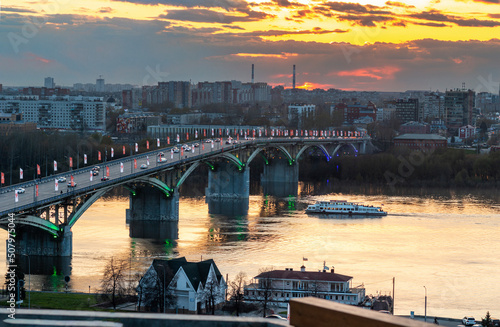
[[177, 284]]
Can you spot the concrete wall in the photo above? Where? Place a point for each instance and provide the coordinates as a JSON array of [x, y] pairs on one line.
[[227, 181]]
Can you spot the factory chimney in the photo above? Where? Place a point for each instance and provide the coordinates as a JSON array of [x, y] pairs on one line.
[[252, 73], [293, 76]]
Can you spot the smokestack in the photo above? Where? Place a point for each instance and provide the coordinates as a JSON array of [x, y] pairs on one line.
[[294, 76], [252, 73]]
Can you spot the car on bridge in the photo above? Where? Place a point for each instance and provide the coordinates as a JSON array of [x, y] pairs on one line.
[[96, 168], [196, 145], [104, 178], [95, 172], [20, 190], [176, 150], [208, 141], [161, 160], [61, 179], [69, 184], [144, 166]]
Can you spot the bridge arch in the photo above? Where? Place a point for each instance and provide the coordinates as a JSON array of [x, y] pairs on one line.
[[341, 145], [319, 146], [187, 173], [34, 221], [75, 215], [279, 147], [231, 157]]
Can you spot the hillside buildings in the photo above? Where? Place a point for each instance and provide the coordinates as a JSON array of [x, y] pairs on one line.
[[459, 106], [67, 113]]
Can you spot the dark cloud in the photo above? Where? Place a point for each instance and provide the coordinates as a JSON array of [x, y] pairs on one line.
[[105, 10], [228, 5], [209, 16], [365, 20], [436, 16], [16, 9], [315, 30], [353, 8], [287, 4], [431, 24], [398, 4]]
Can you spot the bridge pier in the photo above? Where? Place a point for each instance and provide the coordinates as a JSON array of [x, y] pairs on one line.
[[280, 178], [228, 181], [227, 207], [152, 204], [37, 242]]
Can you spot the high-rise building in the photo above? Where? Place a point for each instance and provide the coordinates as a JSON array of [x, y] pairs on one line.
[[49, 82], [99, 84], [72, 113], [407, 110], [459, 106]]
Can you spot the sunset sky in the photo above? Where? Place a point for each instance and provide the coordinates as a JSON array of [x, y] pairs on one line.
[[366, 45]]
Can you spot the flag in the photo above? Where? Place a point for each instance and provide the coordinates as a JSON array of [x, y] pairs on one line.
[[178, 138], [85, 159], [38, 169], [272, 132], [212, 132], [187, 136], [147, 160], [237, 137], [196, 134], [99, 155], [158, 142], [172, 154], [260, 133], [182, 152], [72, 181], [16, 196], [91, 176], [36, 190], [253, 133], [212, 144], [136, 147], [203, 146], [192, 149], [112, 153], [121, 167], [135, 163], [147, 145], [204, 133], [55, 165], [123, 147], [168, 140], [70, 162], [56, 185], [20, 173], [2, 178], [107, 171]]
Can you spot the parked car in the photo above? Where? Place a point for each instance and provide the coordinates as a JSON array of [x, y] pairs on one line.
[[20, 190], [61, 179], [495, 322], [144, 166], [104, 178], [468, 321], [69, 184]]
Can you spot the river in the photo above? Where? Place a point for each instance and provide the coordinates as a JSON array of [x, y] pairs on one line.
[[447, 241]]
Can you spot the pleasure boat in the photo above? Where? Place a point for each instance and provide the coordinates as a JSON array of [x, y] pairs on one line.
[[342, 207]]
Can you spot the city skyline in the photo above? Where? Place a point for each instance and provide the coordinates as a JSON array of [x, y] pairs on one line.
[[365, 45]]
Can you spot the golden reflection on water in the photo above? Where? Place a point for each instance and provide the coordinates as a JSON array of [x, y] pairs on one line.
[[447, 242]]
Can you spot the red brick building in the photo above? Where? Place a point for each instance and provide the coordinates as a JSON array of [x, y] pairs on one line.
[[421, 141]]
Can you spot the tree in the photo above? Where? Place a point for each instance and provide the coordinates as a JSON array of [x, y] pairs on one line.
[[264, 291], [113, 281], [237, 291], [209, 295], [486, 321]]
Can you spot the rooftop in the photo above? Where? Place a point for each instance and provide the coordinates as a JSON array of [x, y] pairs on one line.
[[432, 137]]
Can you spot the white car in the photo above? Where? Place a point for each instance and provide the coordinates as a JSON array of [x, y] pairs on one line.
[[69, 184], [468, 321], [61, 179], [176, 150], [161, 160], [20, 190], [144, 166]]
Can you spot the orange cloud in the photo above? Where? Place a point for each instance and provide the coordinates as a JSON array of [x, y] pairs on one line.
[[378, 73], [312, 86], [283, 55], [40, 59]]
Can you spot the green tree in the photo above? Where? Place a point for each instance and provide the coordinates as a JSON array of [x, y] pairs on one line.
[[486, 321]]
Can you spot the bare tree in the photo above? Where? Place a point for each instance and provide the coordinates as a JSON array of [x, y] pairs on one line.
[[113, 281], [237, 291], [210, 292], [264, 290]]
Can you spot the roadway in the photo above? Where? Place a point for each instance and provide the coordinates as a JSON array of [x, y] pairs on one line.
[[47, 193]]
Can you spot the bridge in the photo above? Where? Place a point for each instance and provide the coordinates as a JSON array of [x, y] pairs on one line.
[[44, 211]]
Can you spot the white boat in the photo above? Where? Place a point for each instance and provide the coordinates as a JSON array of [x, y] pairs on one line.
[[342, 207]]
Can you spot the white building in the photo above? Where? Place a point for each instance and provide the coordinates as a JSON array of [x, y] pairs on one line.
[[49, 83], [300, 111], [72, 113], [283, 285], [99, 85], [192, 284]]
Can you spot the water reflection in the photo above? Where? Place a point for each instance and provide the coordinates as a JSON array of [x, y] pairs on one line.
[[45, 265], [280, 190], [157, 230], [227, 207]]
